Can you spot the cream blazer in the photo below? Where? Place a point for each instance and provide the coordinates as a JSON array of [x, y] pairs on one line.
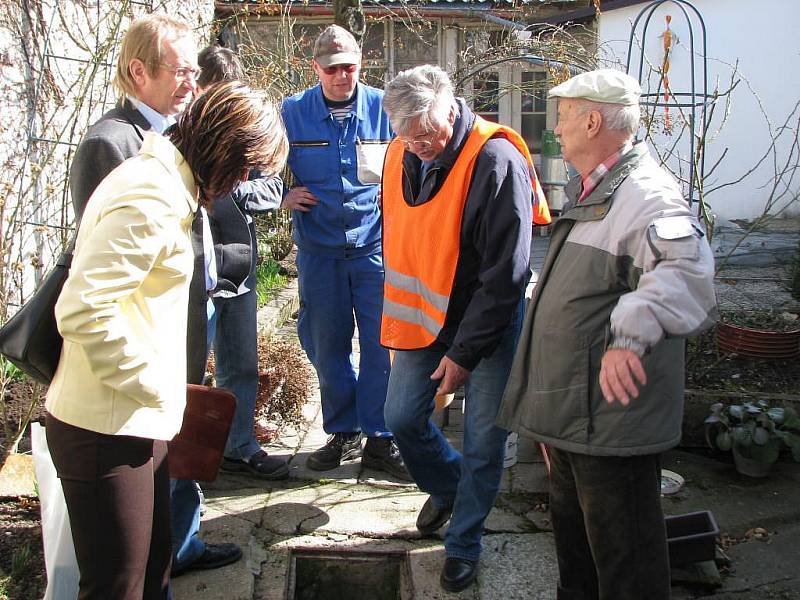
[[123, 309]]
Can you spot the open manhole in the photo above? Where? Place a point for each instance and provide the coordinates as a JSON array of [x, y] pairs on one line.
[[348, 575]]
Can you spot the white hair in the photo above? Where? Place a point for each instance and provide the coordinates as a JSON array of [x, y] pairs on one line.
[[423, 94], [617, 117]]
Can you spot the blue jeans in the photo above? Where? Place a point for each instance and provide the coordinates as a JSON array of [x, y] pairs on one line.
[[233, 331], [184, 503], [469, 481], [184, 507], [334, 295]]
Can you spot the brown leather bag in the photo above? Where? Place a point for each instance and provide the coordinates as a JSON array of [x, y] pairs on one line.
[[196, 452]]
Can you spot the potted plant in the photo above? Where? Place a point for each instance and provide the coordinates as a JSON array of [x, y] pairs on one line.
[[759, 334], [755, 432]]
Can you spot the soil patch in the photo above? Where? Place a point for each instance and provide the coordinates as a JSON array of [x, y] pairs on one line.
[[709, 369], [21, 552]]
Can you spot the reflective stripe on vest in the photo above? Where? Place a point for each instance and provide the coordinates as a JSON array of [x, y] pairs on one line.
[[421, 243]]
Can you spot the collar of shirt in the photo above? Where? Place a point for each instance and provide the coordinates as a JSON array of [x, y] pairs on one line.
[[208, 253], [158, 121], [591, 181]]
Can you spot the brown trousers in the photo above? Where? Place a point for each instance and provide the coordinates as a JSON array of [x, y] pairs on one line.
[[611, 542], [117, 493]]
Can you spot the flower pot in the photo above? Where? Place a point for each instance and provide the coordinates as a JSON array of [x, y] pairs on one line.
[[749, 466], [691, 537], [755, 343]]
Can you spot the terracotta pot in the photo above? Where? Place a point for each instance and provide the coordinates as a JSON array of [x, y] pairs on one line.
[[749, 466], [754, 343]]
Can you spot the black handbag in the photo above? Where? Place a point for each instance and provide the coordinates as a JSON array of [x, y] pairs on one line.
[[30, 339]]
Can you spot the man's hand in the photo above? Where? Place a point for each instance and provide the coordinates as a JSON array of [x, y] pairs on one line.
[[617, 371], [451, 374], [299, 198]]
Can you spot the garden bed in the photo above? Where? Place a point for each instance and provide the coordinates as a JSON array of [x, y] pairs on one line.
[[713, 376]]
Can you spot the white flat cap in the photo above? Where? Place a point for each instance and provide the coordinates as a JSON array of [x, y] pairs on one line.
[[603, 85]]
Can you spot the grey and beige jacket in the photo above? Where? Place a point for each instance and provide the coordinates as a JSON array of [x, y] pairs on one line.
[[628, 267]]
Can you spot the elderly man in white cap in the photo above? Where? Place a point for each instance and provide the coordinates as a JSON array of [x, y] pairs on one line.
[[599, 370]]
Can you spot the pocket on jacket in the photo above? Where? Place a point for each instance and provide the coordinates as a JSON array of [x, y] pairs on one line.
[[370, 155], [310, 161], [561, 402]]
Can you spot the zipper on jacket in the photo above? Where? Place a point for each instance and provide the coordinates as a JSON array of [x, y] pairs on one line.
[[310, 144]]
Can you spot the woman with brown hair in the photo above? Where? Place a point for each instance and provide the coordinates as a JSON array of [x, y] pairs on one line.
[[119, 392]]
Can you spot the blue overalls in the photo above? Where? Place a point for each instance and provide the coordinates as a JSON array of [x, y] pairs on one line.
[[339, 262]]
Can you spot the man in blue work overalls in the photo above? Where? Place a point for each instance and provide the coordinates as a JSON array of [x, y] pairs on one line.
[[338, 134]]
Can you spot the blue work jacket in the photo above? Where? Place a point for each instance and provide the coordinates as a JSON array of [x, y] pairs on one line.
[[324, 157]]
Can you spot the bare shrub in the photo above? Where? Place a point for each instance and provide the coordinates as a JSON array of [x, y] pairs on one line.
[[285, 383]]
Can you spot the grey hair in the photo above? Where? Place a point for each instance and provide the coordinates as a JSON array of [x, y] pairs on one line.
[[618, 117], [423, 94]]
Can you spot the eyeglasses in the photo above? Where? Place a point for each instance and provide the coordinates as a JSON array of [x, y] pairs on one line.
[[182, 72], [417, 144], [332, 70]]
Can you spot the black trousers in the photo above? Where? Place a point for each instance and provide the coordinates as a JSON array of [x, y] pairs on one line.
[[117, 493], [611, 541]]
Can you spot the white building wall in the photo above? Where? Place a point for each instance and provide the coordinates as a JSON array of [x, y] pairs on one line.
[[762, 38], [35, 208]]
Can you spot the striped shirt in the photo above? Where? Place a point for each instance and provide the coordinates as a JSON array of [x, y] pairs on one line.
[[591, 181], [340, 113]]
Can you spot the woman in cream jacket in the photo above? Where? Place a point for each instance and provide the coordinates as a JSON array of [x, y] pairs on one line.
[[120, 389]]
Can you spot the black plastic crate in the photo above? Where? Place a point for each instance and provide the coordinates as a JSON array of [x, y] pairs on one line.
[[691, 537]]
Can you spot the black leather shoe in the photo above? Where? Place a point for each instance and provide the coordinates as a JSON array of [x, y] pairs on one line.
[[214, 556], [340, 446], [381, 453], [260, 465], [458, 574], [431, 517]]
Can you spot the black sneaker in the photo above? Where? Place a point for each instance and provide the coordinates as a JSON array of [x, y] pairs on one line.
[[381, 453], [341, 446], [260, 465]]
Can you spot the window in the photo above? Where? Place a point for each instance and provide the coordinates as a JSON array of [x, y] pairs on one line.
[[533, 108], [414, 45], [486, 95], [374, 64]]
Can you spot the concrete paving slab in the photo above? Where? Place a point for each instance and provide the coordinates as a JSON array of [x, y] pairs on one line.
[[232, 582], [518, 566], [737, 502], [17, 477], [771, 563], [245, 503], [501, 520], [355, 510], [347, 472], [527, 478]]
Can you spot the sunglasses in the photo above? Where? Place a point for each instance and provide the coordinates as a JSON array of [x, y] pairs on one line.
[[332, 70]]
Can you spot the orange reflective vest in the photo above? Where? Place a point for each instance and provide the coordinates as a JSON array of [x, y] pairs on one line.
[[421, 243]]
